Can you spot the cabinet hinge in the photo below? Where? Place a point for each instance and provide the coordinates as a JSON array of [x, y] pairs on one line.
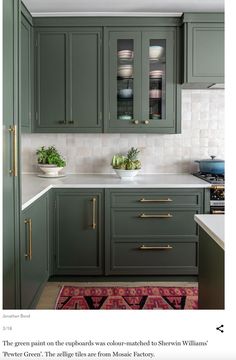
[[36, 116], [109, 116], [100, 116], [36, 43]]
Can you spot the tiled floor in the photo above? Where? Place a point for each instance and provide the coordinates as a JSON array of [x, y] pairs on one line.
[[51, 290]]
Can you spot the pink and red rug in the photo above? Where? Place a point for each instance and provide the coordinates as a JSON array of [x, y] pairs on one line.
[[127, 298]]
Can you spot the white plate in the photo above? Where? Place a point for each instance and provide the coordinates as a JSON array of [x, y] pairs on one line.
[[51, 177], [156, 72]]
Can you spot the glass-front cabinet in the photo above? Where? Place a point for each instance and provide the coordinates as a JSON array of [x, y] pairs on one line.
[[141, 82]]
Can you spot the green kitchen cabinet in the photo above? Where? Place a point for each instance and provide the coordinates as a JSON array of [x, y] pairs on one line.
[[203, 50], [68, 80], [26, 75], [141, 88], [211, 273], [152, 232], [34, 251], [10, 157], [78, 232]]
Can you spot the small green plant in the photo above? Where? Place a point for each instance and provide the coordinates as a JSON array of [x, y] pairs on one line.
[[50, 156], [128, 162]]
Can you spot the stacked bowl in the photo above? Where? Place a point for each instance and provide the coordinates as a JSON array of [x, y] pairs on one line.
[[125, 93], [155, 94], [155, 52], [125, 71]]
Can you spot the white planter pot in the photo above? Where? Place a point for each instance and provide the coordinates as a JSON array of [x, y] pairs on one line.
[[50, 170], [126, 174]]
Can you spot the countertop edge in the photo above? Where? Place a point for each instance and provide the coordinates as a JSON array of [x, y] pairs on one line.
[[110, 185], [209, 231], [36, 197]]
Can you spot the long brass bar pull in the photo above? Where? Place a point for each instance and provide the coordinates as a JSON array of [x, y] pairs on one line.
[[94, 213], [155, 216], [168, 247], [28, 254], [155, 200], [13, 131]]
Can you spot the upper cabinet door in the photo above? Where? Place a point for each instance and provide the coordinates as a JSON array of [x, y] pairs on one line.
[[124, 98], [69, 88], [51, 80], [85, 80], [204, 53], [26, 78], [141, 85], [158, 79]]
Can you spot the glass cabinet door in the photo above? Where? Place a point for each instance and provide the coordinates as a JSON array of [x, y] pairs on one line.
[[158, 78], [125, 79], [141, 92]]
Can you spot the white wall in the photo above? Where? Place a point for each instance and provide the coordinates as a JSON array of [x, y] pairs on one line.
[[202, 135]]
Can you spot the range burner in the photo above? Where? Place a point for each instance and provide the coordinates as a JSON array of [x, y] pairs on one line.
[[211, 178]]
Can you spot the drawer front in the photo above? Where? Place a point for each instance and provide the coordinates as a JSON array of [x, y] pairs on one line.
[[154, 258], [168, 198], [150, 223]]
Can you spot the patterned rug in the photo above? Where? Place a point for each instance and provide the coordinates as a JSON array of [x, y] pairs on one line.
[[127, 298]]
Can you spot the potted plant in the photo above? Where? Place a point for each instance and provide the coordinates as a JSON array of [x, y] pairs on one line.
[[50, 160], [127, 166]]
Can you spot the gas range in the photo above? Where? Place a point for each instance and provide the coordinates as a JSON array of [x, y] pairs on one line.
[[217, 191], [211, 178]]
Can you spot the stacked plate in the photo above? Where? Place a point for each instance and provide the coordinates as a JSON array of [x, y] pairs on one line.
[[156, 74], [125, 54]]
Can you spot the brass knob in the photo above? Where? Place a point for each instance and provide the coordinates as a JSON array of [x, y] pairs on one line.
[[146, 122], [71, 122], [136, 122]]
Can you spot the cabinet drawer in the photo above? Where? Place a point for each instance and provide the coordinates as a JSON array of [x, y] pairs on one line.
[[156, 199], [154, 258], [135, 223]]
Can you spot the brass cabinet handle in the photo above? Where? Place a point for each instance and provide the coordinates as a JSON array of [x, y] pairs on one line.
[[146, 122], [136, 122], [28, 254], [71, 122], [156, 200], [94, 214], [150, 216], [168, 247], [13, 131], [61, 122]]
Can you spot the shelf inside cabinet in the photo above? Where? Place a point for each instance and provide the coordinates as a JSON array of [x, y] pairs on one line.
[[124, 99]]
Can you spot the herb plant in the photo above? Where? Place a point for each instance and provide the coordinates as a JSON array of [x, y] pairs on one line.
[[50, 156], [128, 162]]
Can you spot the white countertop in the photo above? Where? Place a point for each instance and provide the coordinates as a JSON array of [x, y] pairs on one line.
[[33, 186], [214, 227]]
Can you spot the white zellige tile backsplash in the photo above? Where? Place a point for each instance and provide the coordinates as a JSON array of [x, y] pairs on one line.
[[202, 135]]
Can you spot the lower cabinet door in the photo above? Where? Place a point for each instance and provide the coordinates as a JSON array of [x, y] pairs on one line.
[[78, 240], [34, 251]]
